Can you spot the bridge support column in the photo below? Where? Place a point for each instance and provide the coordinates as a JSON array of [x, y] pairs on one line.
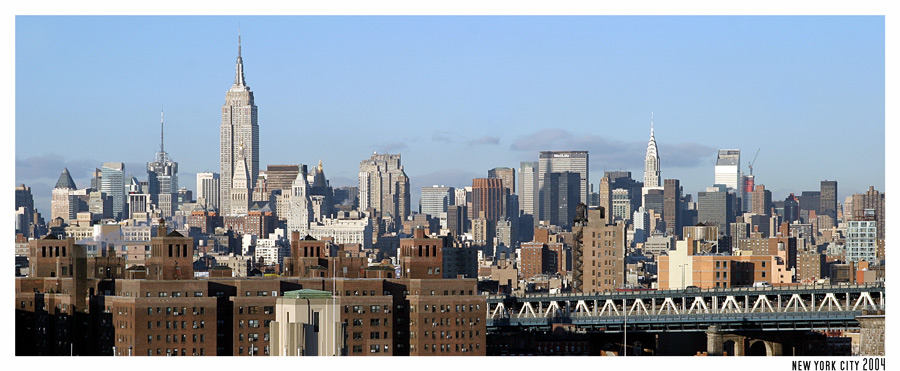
[[740, 347], [775, 349], [714, 341]]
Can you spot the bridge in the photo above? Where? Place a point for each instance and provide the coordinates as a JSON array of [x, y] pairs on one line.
[[814, 307]]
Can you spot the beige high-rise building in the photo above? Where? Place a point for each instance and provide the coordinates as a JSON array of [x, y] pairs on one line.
[[384, 186], [599, 252], [238, 126], [761, 200], [62, 204]]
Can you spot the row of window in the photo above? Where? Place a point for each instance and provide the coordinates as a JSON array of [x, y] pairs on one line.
[[372, 309], [447, 308], [253, 323], [253, 337], [255, 310], [175, 294], [372, 322], [174, 311], [174, 352], [253, 350], [374, 335], [447, 347], [259, 293], [174, 325], [449, 335], [374, 348], [174, 338], [447, 321], [52, 252]]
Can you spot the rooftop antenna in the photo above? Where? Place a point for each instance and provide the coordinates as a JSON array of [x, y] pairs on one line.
[[161, 129]]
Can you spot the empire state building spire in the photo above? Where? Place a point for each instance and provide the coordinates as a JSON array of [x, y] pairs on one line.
[[239, 68], [651, 161]]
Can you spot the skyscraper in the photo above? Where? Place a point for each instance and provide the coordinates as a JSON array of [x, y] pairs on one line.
[[239, 125], [208, 190], [747, 184], [162, 177], [871, 200], [862, 241], [828, 190], [563, 161], [560, 197], [528, 188], [762, 200], [809, 201], [435, 200], [672, 207], [300, 208], [715, 208], [507, 174], [728, 169], [487, 197], [25, 200], [651, 161], [599, 253], [112, 183], [791, 208], [281, 176], [384, 186], [61, 204]]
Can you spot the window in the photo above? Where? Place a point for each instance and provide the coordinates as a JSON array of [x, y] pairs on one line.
[[357, 336], [374, 348], [357, 322], [374, 335], [375, 309], [375, 322], [253, 323], [357, 349]]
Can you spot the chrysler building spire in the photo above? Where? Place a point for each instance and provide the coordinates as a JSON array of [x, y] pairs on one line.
[[651, 161]]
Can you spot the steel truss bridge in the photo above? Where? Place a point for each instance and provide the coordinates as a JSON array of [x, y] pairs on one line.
[[768, 309]]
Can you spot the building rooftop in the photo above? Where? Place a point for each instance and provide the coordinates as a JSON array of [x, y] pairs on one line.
[[307, 294]]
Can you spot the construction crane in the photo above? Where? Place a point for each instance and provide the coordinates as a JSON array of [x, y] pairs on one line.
[[754, 160]]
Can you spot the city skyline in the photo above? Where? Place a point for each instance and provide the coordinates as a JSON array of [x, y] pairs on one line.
[[529, 101]]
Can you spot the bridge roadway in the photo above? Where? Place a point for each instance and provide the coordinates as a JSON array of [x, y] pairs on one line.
[[813, 307]]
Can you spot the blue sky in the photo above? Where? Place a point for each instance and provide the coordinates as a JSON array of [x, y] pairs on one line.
[[459, 95]]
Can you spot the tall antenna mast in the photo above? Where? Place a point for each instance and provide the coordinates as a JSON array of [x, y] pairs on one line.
[[161, 130]]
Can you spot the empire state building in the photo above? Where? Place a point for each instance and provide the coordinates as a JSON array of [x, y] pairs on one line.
[[238, 126]]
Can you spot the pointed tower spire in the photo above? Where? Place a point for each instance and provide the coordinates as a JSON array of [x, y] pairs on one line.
[[319, 169], [239, 69], [65, 180], [651, 161]]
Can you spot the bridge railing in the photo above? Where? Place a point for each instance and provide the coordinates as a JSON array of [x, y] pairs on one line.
[[703, 292]]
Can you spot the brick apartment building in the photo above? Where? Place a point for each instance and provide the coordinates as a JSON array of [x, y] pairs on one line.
[[81, 315]]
